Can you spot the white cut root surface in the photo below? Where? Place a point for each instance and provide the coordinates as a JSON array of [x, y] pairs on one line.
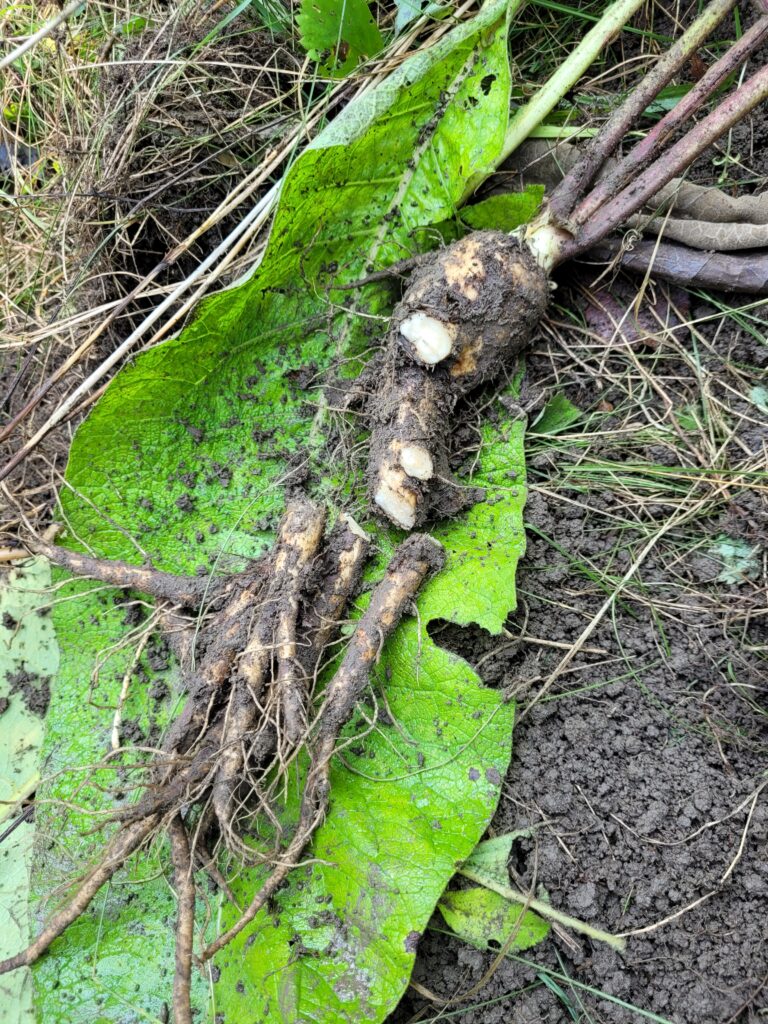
[[394, 499], [417, 462], [432, 340]]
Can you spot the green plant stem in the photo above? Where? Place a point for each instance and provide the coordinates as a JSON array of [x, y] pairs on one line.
[[531, 114], [568, 74], [544, 909]]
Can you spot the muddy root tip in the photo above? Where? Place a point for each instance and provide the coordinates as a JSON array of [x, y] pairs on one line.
[[424, 547]]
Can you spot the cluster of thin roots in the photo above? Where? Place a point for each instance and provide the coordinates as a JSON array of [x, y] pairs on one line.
[[249, 707]]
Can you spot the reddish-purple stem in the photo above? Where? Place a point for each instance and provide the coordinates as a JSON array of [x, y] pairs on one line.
[[671, 164], [650, 147], [584, 171]]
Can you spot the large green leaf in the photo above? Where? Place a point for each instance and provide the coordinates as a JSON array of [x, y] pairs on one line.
[[186, 455]]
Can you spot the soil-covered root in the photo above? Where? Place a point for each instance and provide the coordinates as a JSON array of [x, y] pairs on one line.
[[464, 315], [185, 591], [337, 577], [415, 559], [184, 884], [125, 842], [273, 636]]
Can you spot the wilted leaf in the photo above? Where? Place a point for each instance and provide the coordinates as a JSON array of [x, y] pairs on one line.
[[738, 559], [613, 313], [491, 856], [486, 920]]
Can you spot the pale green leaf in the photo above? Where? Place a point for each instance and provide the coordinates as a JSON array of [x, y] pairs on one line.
[[491, 856], [758, 395], [489, 922], [409, 10], [28, 659]]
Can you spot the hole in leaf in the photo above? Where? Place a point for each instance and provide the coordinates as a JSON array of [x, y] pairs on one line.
[[518, 860], [490, 656]]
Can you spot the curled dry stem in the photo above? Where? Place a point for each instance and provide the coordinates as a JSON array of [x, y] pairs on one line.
[[726, 272]]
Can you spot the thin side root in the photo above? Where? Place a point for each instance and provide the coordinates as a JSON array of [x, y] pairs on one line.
[[119, 849], [187, 591], [184, 884]]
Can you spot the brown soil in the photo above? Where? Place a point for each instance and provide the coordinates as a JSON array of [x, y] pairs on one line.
[[35, 690]]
